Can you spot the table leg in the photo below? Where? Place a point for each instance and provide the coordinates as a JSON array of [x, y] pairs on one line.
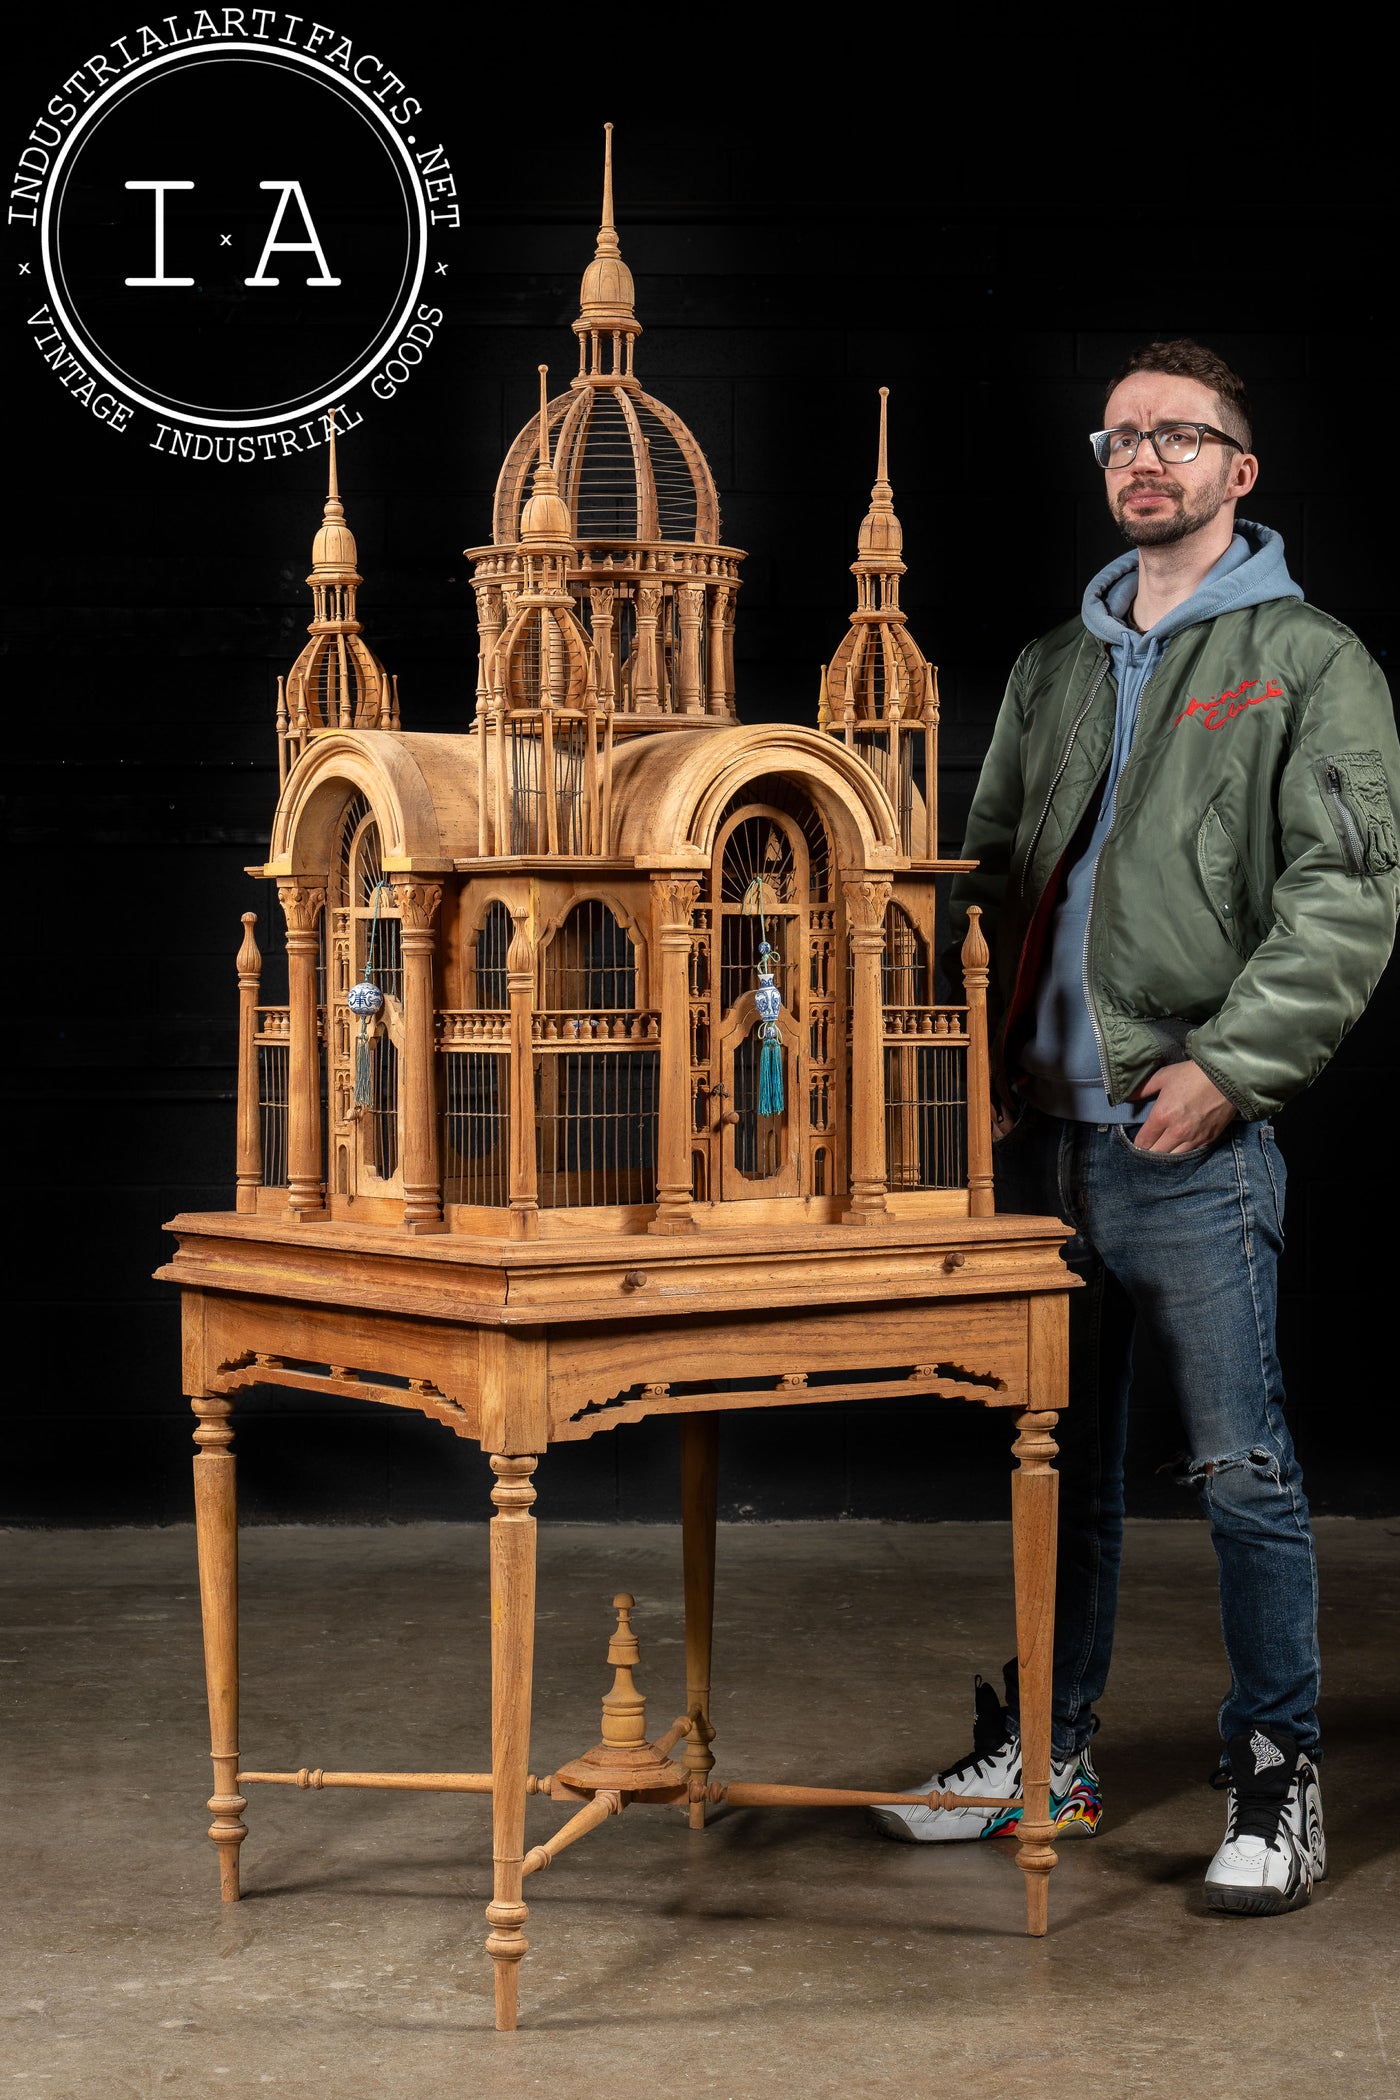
[[699, 1496], [1034, 1500], [512, 1664], [216, 1536]]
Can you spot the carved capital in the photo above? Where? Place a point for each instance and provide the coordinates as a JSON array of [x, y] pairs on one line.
[[302, 901], [418, 904], [648, 601], [675, 898], [867, 898], [600, 598]]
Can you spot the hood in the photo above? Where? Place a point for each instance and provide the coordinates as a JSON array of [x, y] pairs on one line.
[[1252, 571]]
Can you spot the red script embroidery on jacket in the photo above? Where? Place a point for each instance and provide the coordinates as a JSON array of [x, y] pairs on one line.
[[1216, 713]]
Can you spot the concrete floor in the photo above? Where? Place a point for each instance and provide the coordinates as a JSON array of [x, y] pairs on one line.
[[778, 1953]]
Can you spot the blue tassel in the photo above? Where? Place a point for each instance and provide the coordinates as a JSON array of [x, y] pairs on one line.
[[770, 1075]]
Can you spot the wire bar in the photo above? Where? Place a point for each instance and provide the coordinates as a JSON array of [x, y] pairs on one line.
[[926, 1115], [476, 1128], [595, 1123]]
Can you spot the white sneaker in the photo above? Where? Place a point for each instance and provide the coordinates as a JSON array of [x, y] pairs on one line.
[[1274, 1847], [992, 1770]]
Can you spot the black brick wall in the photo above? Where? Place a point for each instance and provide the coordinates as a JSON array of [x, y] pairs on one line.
[[155, 602]]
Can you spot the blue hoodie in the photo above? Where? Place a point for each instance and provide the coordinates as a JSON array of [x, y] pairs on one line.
[[1061, 1059]]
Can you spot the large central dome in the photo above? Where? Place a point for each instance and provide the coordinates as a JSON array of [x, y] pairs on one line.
[[627, 467], [652, 587]]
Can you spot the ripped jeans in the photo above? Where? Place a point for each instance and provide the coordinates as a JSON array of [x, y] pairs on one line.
[[1180, 1255]]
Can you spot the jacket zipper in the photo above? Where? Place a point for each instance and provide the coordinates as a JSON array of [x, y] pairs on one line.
[[1353, 851], [1093, 892], [1075, 728]]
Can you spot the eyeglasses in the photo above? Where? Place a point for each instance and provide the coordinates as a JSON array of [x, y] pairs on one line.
[[1175, 444]]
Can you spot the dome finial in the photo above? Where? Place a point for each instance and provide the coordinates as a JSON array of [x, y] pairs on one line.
[[544, 521], [607, 295], [607, 228], [333, 552], [881, 532]]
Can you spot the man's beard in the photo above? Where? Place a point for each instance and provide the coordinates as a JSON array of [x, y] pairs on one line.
[[1184, 518]]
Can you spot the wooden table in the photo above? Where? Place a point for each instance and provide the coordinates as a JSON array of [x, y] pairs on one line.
[[520, 1344]]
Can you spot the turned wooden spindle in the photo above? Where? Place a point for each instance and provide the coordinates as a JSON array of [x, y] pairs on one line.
[[249, 1156], [216, 1541], [1034, 1499], [674, 900], [303, 902], [422, 1186], [624, 1707], [699, 1498], [512, 1532], [975, 959], [520, 986], [866, 902]]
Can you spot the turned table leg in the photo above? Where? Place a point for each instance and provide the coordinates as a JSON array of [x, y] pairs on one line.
[[216, 1533], [512, 1662], [699, 1496], [1034, 1500]]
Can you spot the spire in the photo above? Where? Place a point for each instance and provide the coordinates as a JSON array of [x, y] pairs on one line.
[[333, 552], [337, 681], [881, 533], [607, 297], [545, 524]]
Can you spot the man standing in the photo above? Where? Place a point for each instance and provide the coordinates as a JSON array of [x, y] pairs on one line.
[[1186, 836]]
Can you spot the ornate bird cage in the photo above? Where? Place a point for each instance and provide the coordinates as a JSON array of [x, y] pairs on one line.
[[608, 960]]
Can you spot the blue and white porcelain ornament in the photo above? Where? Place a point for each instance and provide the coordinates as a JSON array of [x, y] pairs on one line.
[[365, 999]]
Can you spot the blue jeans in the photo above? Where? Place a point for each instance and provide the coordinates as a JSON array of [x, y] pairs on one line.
[[1179, 1253]]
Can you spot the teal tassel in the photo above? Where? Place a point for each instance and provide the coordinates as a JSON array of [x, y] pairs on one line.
[[364, 1083], [770, 1075]]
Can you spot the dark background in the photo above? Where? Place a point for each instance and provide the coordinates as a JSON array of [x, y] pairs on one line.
[[784, 271]]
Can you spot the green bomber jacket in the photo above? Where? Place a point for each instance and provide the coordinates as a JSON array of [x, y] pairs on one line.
[[1246, 895]]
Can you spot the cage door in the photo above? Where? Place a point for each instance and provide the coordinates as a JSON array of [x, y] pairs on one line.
[[760, 1155]]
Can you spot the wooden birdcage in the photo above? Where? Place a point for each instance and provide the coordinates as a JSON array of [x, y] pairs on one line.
[[562, 916]]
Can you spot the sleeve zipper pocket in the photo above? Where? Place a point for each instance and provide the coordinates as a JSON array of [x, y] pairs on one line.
[[1344, 823]]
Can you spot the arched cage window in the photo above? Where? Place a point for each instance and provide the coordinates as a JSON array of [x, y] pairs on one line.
[[596, 1109], [590, 966], [904, 969], [369, 939], [492, 948]]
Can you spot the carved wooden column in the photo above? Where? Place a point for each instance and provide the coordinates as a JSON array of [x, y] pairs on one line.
[[524, 1173], [981, 1201], [867, 897], [690, 700], [249, 1171], [699, 1497], [719, 695], [512, 1532], [422, 1181], [673, 900], [601, 598], [1034, 1503], [303, 902], [216, 1537], [646, 680]]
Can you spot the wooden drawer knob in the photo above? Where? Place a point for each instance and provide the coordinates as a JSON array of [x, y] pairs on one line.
[[634, 1280], [955, 1259]]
